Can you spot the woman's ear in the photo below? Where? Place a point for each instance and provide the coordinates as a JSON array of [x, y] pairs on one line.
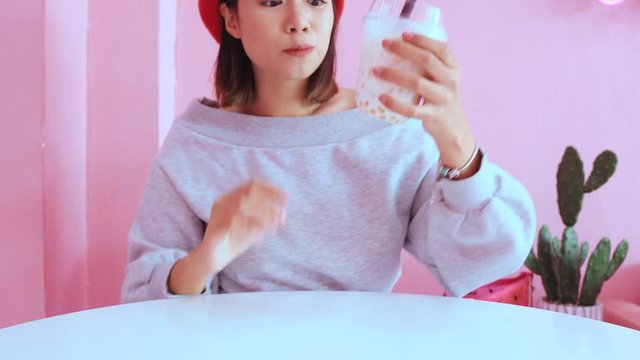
[[230, 21]]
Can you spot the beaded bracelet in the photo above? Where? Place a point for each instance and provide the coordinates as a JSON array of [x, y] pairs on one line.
[[454, 173]]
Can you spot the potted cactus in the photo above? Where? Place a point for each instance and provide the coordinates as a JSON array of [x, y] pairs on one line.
[[559, 262]]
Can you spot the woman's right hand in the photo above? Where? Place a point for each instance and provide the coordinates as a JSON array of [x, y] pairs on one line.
[[239, 220]]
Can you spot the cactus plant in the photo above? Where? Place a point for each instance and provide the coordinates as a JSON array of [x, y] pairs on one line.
[[559, 262], [542, 265], [600, 269]]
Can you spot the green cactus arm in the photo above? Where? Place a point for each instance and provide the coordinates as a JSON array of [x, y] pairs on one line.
[[603, 168], [569, 244], [584, 250], [619, 254], [596, 273], [556, 248], [532, 263], [569, 267], [554, 261], [570, 186], [547, 263]]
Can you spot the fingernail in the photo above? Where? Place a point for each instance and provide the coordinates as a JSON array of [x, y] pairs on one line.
[[386, 43], [377, 70], [382, 98], [408, 35]]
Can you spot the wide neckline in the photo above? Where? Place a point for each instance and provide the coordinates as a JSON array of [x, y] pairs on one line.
[[277, 131], [215, 106]]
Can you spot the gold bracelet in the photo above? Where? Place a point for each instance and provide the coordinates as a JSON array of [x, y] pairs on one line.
[[454, 173]]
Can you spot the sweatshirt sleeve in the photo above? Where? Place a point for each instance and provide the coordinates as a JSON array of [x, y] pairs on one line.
[[471, 232], [165, 230]]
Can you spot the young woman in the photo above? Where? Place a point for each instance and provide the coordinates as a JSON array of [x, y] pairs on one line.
[[282, 184]]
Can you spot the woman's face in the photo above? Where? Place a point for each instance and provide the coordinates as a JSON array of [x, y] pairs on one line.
[[287, 39]]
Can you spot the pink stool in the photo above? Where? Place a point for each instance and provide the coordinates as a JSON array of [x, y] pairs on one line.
[[511, 290], [622, 312]]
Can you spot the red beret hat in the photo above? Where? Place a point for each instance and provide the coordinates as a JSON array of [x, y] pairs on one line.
[[210, 14]]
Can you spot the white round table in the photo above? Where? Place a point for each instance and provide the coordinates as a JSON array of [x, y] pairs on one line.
[[317, 325]]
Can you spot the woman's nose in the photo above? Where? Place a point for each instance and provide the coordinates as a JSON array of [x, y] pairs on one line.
[[296, 29], [297, 20]]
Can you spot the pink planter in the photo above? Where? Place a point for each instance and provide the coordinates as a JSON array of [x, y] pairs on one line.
[[590, 312]]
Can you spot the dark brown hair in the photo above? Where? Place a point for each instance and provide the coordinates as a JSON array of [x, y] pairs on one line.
[[234, 78]]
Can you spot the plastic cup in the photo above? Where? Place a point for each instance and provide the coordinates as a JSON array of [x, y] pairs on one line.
[[388, 19]]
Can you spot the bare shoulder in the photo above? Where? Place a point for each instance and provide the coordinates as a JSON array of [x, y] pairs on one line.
[[348, 98], [343, 100]]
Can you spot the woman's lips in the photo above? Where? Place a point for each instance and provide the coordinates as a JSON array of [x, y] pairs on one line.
[[299, 51]]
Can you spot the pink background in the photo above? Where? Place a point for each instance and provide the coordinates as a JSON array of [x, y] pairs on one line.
[[81, 88]]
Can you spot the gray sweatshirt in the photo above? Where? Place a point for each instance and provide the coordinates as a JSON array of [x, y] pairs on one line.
[[360, 191]]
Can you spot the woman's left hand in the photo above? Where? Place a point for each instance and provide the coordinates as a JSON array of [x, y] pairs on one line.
[[438, 85]]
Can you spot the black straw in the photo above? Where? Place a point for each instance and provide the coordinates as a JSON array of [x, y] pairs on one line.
[[407, 9]]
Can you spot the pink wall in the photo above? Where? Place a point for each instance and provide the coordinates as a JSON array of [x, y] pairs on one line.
[[101, 127], [22, 114], [538, 75], [65, 156], [122, 133], [83, 86], [195, 55]]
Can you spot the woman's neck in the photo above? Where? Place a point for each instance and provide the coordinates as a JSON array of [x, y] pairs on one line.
[[275, 97], [278, 98]]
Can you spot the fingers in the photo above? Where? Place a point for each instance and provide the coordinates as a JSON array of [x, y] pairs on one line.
[[441, 49], [241, 217], [243, 233], [262, 210], [422, 58], [436, 81], [426, 113], [431, 91], [262, 191], [264, 204]]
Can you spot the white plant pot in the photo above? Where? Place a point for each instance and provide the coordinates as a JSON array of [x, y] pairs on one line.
[[590, 312]]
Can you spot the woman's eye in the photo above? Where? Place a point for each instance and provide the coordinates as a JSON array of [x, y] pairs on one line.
[[271, 3], [275, 3], [317, 2]]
